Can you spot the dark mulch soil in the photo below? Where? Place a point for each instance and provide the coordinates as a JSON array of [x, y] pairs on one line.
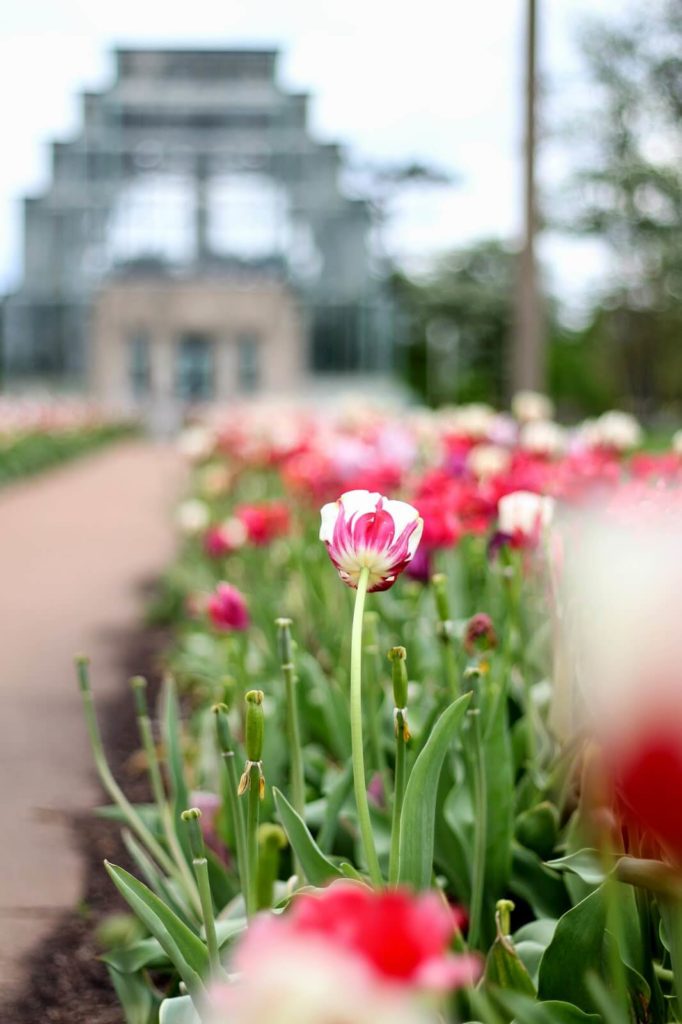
[[67, 984]]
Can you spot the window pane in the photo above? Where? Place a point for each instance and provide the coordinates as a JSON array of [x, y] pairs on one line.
[[139, 363], [195, 368], [248, 362]]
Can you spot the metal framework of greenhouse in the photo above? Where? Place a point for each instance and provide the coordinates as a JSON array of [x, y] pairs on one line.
[[195, 163]]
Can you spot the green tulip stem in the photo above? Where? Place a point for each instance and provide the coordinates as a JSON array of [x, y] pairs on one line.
[[445, 636], [480, 830], [398, 794], [358, 756], [293, 725], [191, 818], [252, 816], [374, 694], [115, 792], [226, 746], [139, 684]]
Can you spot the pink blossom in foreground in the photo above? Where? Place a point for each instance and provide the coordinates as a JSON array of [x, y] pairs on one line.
[[346, 954], [402, 936], [296, 979], [227, 609], [619, 600], [363, 529]]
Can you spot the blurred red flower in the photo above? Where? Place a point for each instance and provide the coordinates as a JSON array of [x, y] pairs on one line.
[[265, 521], [227, 608]]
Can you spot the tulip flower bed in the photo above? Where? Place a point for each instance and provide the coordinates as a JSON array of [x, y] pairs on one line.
[[35, 435], [400, 766]]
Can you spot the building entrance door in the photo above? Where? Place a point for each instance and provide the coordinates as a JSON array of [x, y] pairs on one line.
[[195, 368]]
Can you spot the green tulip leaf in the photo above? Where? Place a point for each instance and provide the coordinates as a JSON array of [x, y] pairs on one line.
[[131, 959], [134, 995], [179, 1010], [552, 1011], [575, 951], [417, 829], [185, 949], [316, 868], [505, 969], [583, 863]]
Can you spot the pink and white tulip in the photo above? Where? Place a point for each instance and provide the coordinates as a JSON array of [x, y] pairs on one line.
[[365, 530], [524, 515]]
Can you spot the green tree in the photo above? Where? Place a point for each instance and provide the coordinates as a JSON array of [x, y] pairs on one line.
[[458, 322], [627, 191]]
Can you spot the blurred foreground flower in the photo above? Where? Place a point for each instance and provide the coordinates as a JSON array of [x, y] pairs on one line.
[[364, 530], [349, 955], [300, 980], [402, 937], [621, 595], [227, 608]]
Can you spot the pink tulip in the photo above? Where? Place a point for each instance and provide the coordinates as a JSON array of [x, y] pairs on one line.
[[364, 530], [227, 608]]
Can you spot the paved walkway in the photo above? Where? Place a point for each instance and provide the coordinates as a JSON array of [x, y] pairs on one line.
[[75, 547]]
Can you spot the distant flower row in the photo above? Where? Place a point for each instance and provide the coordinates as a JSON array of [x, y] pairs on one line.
[[39, 432], [48, 415]]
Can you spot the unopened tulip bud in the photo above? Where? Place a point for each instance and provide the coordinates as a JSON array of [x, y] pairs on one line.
[[222, 723], [254, 725], [503, 911], [191, 818], [479, 634], [82, 662], [439, 582], [272, 839], [138, 684], [284, 641], [397, 656]]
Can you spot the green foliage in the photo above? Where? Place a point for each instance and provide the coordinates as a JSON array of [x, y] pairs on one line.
[[179, 1010], [417, 826], [184, 948], [26, 454], [318, 870], [459, 322], [627, 192]]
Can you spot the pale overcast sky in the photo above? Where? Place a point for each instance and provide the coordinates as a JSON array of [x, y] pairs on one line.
[[440, 82]]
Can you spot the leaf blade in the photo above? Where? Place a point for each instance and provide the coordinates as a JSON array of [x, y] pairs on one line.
[[417, 826], [317, 869]]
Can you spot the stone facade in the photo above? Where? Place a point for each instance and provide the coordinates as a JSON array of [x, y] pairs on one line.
[[162, 345]]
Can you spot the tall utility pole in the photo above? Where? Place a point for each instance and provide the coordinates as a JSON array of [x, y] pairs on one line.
[[528, 353]]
